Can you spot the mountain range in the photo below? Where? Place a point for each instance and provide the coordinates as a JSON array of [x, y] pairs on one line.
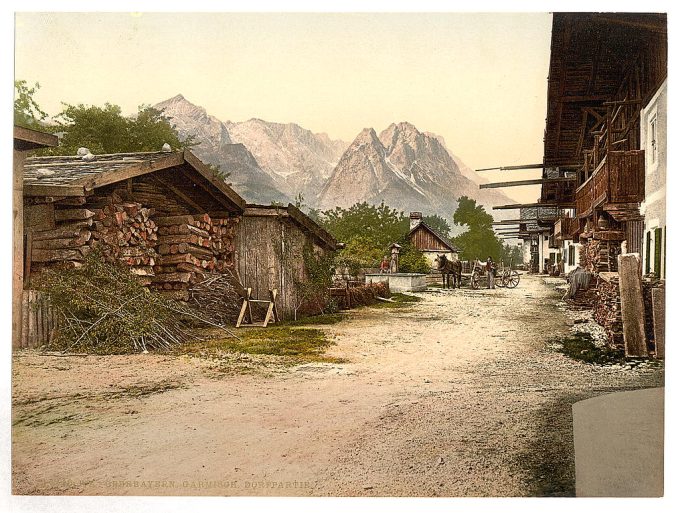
[[408, 169]]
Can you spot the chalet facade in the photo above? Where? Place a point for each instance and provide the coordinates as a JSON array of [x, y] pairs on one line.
[[167, 216], [430, 242], [606, 112]]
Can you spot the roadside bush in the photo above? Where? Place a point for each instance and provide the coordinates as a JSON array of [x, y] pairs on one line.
[[103, 308]]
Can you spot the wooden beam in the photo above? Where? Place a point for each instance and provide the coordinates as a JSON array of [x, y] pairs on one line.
[[34, 189], [533, 181], [515, 221], [137, 169], [534, 205], [657, 24], [531, 166], [584, 98], [27, 139], [220, 198], [180, 194], [239, 203]]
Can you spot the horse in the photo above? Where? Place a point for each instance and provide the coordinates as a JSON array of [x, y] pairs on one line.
[[449, 268]]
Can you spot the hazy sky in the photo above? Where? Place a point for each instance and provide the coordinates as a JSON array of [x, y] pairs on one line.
[[479, 80]]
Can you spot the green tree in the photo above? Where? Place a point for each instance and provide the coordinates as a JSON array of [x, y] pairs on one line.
[[411, 260], [27, 112], [380, 224], [479, 241], [105, 130], [439, 224]]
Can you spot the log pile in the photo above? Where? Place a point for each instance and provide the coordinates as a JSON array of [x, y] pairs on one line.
[[608, 308], [599, 256], [67, 244], [190, 247], [125, 231]]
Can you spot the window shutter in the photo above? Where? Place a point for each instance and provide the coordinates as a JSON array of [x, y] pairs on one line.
[[657, 252], [648, 247]]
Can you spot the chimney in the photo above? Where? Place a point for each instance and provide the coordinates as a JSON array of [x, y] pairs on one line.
[[416, 218]]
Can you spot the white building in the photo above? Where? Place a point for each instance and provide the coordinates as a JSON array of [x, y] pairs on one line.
[[653, 141]]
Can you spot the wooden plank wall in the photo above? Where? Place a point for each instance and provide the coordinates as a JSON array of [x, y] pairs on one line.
[[634, 231], [423, 240], [38, 318], [269, 254]]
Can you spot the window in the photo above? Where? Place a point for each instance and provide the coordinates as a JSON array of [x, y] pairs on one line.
[[653, 139], [572, 255]]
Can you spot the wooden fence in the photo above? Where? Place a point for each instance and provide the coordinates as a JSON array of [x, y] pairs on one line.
[[38, 320]]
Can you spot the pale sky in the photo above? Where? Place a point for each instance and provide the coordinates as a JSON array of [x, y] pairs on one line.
[[479, 80]]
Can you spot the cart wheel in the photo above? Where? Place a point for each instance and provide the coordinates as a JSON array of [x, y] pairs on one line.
[[513, 280], [499, 281], [474, 280]]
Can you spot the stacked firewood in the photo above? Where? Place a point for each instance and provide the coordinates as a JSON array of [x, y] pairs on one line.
[[600, 255], [190, 247], [67, 243], [125, 232], [608, 308]]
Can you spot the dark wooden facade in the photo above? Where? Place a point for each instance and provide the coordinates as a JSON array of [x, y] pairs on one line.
[[603, 69], [425, 238]]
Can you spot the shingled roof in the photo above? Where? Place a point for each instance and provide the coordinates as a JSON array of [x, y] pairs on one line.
[[75, 176]]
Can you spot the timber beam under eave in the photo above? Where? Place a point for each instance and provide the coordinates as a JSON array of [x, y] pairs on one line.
[[534, 205], [533, 181]]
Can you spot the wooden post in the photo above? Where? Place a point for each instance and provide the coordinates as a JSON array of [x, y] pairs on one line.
[[659, 316], [632, 305], [17, 247]]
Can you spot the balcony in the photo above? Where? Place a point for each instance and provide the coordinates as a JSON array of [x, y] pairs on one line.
[[565, 228], [617, 185]]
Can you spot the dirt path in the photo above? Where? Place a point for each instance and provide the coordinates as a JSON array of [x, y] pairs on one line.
[[456, 395]]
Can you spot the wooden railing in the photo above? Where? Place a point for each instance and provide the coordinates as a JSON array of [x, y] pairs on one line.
[[619, 178], [566, 228]]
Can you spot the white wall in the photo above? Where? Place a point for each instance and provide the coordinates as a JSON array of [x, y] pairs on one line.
[[565, 255], [654, 205]]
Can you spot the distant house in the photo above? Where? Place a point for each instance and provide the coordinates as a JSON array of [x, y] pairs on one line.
[[430, 241]]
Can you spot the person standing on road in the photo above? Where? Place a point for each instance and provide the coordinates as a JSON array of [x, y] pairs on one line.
[[490, 272]]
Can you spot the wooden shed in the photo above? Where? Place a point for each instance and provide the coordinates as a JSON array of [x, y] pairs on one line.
[[165, 214], [430, 241], [270, 251]]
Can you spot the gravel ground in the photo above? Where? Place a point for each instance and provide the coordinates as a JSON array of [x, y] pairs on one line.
[[462, 394]]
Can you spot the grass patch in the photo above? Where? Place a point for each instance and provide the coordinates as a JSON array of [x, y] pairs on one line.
[[400, 301], [581, 347], [316, 320], [291, 344]]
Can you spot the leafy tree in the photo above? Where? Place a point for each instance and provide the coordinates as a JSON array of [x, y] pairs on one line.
[[106, 130], [479, 241], [511, 254], [439, 224], [380, 224], [27, 112], [411, 260], [368, 231]]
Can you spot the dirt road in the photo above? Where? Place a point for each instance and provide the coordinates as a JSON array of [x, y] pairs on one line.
[[456, 395]]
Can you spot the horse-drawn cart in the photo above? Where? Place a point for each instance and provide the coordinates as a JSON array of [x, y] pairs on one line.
[[475, 275]]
